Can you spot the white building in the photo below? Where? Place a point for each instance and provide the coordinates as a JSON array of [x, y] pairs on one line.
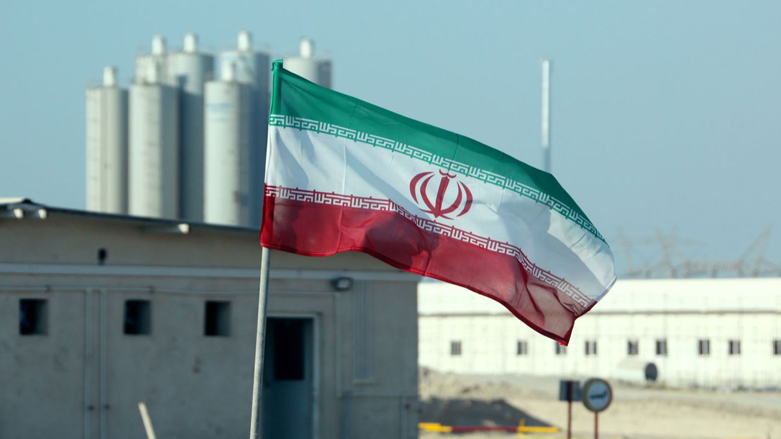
[[696, 332], [100, 312]]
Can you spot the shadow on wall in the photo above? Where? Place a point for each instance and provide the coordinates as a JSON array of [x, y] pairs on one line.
[[474, 412]]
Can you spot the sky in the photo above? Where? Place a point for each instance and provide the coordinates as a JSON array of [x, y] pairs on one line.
[[665, 113]]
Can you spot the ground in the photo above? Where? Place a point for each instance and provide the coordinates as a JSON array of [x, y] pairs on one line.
[[636, 412]]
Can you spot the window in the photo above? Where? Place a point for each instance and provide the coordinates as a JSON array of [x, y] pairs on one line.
[[704, 347], [661, 347], [455, 348], [217, 319], [560, 349], [33, 317], [138, 317], [734, 347], [522, 348], [632, 347], [591, 347], [777, 347]]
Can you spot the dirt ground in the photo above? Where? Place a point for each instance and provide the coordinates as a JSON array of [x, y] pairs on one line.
[[636, 412]]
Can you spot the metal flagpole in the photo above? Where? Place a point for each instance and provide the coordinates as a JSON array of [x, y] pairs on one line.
[[260, 344]]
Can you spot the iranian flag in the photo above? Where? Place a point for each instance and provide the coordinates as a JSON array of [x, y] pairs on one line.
[[345, 175]]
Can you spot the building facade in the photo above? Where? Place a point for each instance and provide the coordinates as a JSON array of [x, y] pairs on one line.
[[101, 312], [715, 333]]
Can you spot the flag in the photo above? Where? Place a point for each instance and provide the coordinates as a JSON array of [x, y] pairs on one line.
[[345, 175]]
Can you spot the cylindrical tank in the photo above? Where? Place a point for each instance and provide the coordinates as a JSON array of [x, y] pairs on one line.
[[154, 64], [228, 185], [153, 165], [308, 66], [636, 371], [253, 69], [107, 140], [188, 71]]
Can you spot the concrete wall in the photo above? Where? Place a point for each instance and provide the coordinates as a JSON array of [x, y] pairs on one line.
[[679, 311], [85, 377]]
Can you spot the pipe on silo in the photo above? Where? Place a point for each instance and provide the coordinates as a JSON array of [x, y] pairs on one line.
[[190, 42], [245, 41], [158, 45], [110, 76], [307, 48]]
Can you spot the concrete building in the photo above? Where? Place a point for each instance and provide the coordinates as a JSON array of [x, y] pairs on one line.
[[715, 333], [100, 312]]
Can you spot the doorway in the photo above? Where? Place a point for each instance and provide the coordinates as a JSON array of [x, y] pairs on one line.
[[288, 378]]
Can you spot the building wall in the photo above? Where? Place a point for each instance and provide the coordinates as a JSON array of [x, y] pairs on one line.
[[85, 377], [682, 312]]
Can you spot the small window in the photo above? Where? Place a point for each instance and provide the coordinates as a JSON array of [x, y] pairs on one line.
[[703, 347], [33, 317], [560, 349], [734, 347], [217, 319], [138, 317], [522, 348], [455, 348], [632, 347], [661, 347], [591, 347], [777, 347]]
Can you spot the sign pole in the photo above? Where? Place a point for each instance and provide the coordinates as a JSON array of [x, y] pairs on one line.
[[260, 343], [596, 425]]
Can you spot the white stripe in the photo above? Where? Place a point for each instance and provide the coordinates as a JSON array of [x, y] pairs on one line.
[[318, 161]]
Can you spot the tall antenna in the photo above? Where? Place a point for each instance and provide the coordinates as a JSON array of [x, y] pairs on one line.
[[546, 147]]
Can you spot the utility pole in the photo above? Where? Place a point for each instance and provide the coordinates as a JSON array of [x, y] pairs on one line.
[[546, 145]]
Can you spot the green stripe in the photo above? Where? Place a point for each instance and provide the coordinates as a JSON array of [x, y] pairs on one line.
[[299, 99]]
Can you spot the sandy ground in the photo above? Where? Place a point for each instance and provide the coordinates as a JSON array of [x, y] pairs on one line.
[[637, 413]]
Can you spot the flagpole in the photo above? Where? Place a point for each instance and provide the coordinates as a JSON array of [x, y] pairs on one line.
[[260, 343]]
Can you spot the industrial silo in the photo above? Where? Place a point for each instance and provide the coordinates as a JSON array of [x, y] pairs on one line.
[[153, 62], [228, 166], [107, 146], [253, 69], [308, 66], [188, 71], [153, 152]]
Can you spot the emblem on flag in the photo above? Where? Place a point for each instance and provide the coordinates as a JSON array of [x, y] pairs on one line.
[[419, 187]]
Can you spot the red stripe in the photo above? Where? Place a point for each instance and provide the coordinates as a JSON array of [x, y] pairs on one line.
[[314, 229]]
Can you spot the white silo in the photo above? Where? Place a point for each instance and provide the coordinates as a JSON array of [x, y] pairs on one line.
[[188, 71], [308, 66], [153, 152], [152, 63], [107, 146], [227, 174], [253, 69]]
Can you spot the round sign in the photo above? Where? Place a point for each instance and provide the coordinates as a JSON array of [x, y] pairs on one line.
[[597, 394]]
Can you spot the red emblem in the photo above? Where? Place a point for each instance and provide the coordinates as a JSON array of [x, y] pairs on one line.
[[419, 187]]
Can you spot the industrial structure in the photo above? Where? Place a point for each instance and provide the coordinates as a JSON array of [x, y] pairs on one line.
[[711, 333], [101, 312], [185, 143]]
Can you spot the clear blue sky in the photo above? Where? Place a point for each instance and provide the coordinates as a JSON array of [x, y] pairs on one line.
[[665, 113]]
